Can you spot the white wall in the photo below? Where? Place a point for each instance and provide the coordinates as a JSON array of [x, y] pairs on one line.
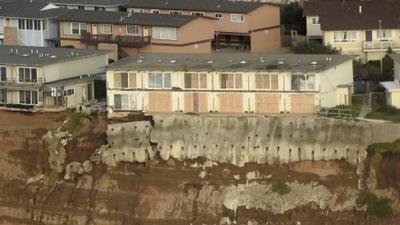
[[313, 29]]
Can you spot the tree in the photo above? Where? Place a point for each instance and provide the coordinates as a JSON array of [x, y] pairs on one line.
[[292, 17], [313, 47]]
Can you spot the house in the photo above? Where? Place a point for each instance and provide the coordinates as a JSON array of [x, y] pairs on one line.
[[128, 33], [393, 87], [229, 83], [363, 28], [29, 23], [244, 26], [97, 5], [34, 77]]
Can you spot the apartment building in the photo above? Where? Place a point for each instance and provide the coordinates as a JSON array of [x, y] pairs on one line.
[[229, 83], [363, 28], [393, 87], [244, 26], [96, 5], [129, 33], [34, 77], [29, 23]]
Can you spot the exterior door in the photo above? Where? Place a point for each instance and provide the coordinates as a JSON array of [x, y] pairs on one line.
[[90, 92], [145, 31], [94, 28], [368, 35]]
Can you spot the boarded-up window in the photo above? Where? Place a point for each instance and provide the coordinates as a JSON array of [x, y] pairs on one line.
[[266, 81], [230, 81], [195, 80]]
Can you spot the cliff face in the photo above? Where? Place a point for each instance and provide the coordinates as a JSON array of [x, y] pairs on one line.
[[253, 170]]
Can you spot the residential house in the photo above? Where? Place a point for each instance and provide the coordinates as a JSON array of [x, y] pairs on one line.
[[96, 5], [29, 23], [393, 87], [229, 83], [128, 33], [363, 28], [245, 26], [34, 77]]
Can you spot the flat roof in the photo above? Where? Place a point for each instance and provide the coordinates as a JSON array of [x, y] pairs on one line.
[[391, 86], [229, 62], [28, 9], [39, 56], [198, 5], [164, 20]]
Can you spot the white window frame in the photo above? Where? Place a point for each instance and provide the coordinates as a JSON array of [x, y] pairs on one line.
[[345, 36], [219, 15], [309, 85], [3, 94], [234, 18], [235, 85], [135, 10], [106, 24], [164, 33], [315, 20], [30, 74], [31, 97], [384, 34], [70, 90], [133, 34], [197, 13], [1, 75], [198, 76], [270, 78], [175, 12], [79, 28], [163, 80], [155, 11]]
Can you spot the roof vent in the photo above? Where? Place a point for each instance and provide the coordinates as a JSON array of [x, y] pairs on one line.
[[25, 55], [53, 56], [210, 61], [140, 61], [172, 61], [360, 9], [281, 61], [314, 63], [243, 62], [261, 60]]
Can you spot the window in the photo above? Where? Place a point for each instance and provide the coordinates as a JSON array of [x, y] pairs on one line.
[[384, 34], [266, 81], [99, 8], [302, 82], [69, 92], [28, 97], [315, 20], [75, 28], [107, 28], [164, 33], [136, 10], [344, 36], [237, 18], [197, 14], [124, 80], [121, 102], [3, 73], [3, 96], [29, 24], [81, 7], [132, 29], [155, 11], [159, 80], [218, 15], [27, 75], [195, 80], [175, 12], [231, 81], [37, 24], [21, 24]]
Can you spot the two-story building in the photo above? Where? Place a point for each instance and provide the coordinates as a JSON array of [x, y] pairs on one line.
[[129, 33], [229, 83], [29, 23], [34, 77], [363, 28], [240, 25]]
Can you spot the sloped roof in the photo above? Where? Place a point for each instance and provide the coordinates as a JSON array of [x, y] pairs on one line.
[[28, 9], [38, 56], [125, 18], [197, 5], [230, 62], [90, 2], [353, 15]]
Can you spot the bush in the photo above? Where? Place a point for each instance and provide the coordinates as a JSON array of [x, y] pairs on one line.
[[228, 213], [280, 187], [379, 207], [74, 121], [292, 17], [53, 177], [377, 150], [313, 47]]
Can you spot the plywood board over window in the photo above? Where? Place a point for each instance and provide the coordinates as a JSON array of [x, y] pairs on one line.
[[160, 102], [302, 103], [231, 102], [267, 103], [196, 102]]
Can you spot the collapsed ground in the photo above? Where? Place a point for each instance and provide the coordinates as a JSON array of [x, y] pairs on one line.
[[173, 192]]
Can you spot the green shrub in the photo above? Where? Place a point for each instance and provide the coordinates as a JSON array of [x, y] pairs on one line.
[[379, 207], [280, 187], [53, 177], [228, 213], [74, 122], [313, 47], [377, 150]]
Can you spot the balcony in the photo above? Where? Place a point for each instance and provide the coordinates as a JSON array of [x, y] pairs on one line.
[[380, 45], [14, 84], [122, 41]]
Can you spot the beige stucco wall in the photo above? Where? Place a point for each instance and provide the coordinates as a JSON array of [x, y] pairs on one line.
[[393, 99], [265, 40], [10, 36], [81, 93], [313, 29]]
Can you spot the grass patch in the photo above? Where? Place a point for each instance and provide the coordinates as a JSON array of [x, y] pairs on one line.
[[228, 213], [385, 112], [377, 150], [355, 107], [379, 207], [280, 187], [74, 122], [53, 177]]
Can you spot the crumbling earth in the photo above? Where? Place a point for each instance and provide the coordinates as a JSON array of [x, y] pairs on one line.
[[38, 186]]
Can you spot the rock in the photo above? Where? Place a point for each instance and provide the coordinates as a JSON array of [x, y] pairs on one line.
[[87, 166], [35, 179], [203, 174], [236, 177]]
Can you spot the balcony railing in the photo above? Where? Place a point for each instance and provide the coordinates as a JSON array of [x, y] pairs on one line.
[[123, 41], [380, 45], [16, 84]]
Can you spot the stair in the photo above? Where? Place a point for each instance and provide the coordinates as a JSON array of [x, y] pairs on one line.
[[121, 53]]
